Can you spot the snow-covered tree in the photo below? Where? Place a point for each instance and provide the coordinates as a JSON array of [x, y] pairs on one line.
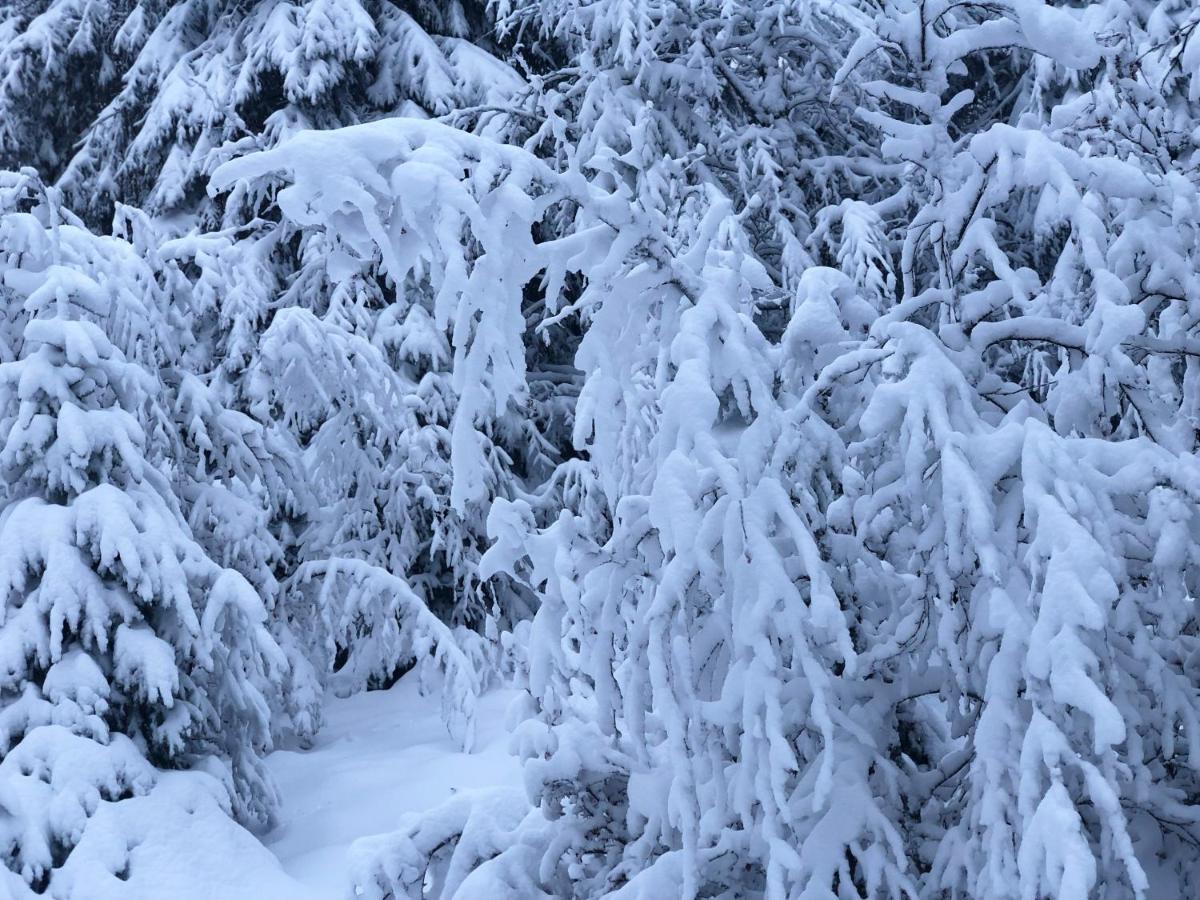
[[127, 648], [820, 378], [894, 600], [1025, 437], [60, 63], [187, 85], [402, 403], [138, 102]]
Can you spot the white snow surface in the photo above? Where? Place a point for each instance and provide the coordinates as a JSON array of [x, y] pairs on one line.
[[380, 754]]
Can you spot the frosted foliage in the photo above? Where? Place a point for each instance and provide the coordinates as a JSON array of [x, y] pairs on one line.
[[400, 450], [124, 647], [874, 575], [798, 400], [173, 88], [408, 205], [404, 630]]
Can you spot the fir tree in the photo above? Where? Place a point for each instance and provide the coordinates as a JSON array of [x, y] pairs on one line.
[[127, 648]]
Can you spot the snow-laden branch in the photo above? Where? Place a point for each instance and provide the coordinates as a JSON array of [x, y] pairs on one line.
[[401, 628]]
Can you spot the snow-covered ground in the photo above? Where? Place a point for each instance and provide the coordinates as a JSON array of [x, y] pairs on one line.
[[380, 755]]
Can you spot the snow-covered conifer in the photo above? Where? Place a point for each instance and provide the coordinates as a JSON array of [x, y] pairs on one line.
[[127, 648], [818, 380], [1016, 453], [159, 93], [879, 609]]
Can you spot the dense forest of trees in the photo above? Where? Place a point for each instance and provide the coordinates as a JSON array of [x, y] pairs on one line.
[[798, 399]]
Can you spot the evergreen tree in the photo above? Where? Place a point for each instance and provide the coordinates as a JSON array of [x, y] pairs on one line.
[[874, 604], [127, 647], [138, 102], [798, 398]]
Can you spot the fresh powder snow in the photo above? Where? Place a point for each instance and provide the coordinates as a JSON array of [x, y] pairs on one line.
[[381, 757]]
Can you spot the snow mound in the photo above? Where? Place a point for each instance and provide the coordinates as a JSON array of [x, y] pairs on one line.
[[380, 756]]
